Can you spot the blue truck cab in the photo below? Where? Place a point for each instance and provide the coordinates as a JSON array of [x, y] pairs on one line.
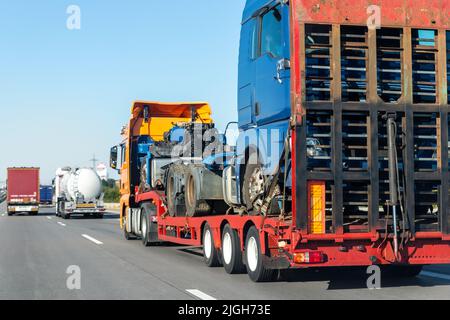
[[264, 107]]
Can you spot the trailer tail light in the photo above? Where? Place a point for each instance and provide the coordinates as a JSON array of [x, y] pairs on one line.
[[316, 207], [310, 257]]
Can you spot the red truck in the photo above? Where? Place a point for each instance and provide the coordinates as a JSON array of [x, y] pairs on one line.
[[23, 190]]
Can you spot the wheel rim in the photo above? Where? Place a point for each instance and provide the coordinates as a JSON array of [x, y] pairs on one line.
[[144, 227], [227, 248], [256, 185], [252, 254], [207, 244], [190, 195]]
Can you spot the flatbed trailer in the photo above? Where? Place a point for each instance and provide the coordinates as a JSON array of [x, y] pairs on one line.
[[340, 202]]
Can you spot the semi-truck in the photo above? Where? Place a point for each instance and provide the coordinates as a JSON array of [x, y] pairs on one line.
[[46, 195], [78, 192], [23, 191], [343, 154]]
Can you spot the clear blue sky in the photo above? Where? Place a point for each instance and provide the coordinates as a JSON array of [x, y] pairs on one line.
[[65, 94]]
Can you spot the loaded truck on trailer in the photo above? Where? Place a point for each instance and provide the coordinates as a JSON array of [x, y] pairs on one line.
[[23, 191], [78, 192], [46, 195], [342, 158]]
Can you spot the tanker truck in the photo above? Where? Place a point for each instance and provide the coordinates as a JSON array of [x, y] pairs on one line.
[[78, 192]]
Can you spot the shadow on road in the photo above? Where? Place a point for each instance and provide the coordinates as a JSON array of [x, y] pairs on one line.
[[108, 216], [345, 278], [355, 278]]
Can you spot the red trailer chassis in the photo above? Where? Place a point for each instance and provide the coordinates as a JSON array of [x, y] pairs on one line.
[[285, 247]]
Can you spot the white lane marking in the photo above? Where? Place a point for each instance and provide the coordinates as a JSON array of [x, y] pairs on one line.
[[435, 275], [92, 239], [201, 295], [49, 218], [62, 224], [3, 215]]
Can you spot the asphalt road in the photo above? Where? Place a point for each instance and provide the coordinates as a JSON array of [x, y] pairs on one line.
[[36, 252]]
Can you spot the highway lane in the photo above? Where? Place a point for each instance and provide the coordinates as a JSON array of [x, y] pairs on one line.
[[36, 252]]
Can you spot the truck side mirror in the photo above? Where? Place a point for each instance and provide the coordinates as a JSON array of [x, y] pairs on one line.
[[146, 113], [113, 157], [231, 133]]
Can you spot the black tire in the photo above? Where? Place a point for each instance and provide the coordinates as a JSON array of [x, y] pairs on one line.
[[255, 263], [128, 236], [210, 253], [171, 192], [10, 214], [253, 163], [60, 209], [149, 228], [231, 251], [194, 206], [410, 271], [65, 216]]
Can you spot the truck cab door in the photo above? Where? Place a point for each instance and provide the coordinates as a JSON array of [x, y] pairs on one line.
[[272, 96], [247, 71]]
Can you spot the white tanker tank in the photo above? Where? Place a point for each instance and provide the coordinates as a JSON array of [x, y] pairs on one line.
[[78, 191]]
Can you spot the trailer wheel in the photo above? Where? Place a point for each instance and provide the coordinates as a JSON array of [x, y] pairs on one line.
[[65, 216], [210, 254], [254, 259], [231, 251], [149, 229]]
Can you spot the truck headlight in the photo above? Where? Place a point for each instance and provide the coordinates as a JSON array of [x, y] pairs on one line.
[[313, 148]]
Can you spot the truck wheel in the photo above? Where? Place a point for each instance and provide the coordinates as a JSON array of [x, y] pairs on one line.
[[231, 251], [171, 193], [10, 214], [253, 185], [149, 228], [128, 236], [254, 259], [194, 206], [59, 209], [210, 254], [402, 271]]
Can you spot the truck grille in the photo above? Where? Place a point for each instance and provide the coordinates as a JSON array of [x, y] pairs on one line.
[[354, 77]]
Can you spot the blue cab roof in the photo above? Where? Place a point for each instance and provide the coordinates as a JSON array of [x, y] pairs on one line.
[[251, 6]]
